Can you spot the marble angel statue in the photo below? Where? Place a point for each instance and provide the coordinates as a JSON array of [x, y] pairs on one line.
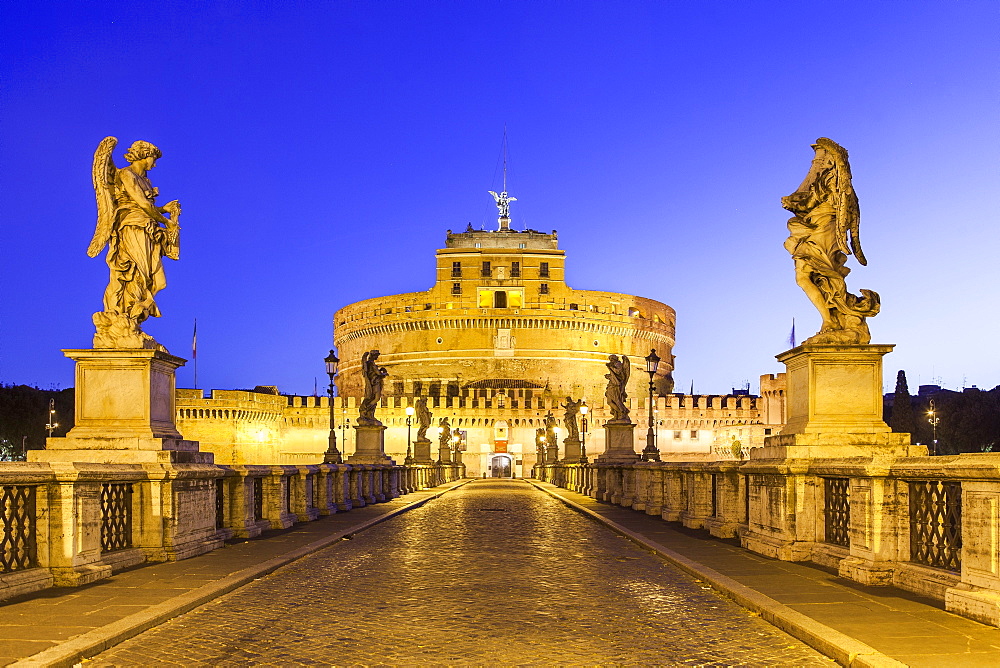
[[822, 234], [615, 394], [503, 203], [137, 234], [374, 376]]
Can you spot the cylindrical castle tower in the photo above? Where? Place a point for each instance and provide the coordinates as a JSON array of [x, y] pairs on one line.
[[500, 319]]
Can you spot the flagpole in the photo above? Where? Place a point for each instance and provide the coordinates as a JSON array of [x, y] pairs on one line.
[[194, 352]]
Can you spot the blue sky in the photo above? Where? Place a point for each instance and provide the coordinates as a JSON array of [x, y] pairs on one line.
[[321, 150]]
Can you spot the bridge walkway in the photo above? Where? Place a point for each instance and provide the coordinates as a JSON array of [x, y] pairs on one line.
[[846, 620], [493, 573]]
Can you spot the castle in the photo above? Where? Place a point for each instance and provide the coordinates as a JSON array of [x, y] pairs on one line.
[[496, 344]]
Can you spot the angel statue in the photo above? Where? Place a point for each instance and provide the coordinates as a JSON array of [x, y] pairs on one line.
[[569, 418], [444, 433], [423, 418], [374, 379], [822, 233], [503, 203], [615, 394], [137, 234]]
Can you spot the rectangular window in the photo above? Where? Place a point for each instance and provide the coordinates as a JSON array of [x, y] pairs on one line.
[[456, 288], [543, 270], [435, 389], [418, 387], [574, 307], [694, 434], [543, 288], [397, 388], [487, 269], [456, 268], [677, 436], [515, 269]]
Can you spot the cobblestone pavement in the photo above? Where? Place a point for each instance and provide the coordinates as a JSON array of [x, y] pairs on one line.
[[494, 573]]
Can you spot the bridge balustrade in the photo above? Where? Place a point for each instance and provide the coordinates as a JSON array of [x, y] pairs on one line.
[[71, 524]]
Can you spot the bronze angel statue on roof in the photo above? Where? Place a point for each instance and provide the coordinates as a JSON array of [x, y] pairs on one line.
[[137, 234], [822, 234]]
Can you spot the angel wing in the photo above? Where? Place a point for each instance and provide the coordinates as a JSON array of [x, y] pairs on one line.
[[846, 202], [626, 371], [104, 184], [495, 196]]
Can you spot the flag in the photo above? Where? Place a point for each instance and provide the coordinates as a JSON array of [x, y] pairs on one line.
[[692, 388], [791, 337], [194, 341]]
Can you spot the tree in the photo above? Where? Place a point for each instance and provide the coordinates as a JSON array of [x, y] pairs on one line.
[[902, 408]]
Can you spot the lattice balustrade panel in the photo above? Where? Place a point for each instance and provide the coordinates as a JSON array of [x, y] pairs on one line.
[[116, 516], [936, 524], [18, 547], [838, 511], [258, 499]]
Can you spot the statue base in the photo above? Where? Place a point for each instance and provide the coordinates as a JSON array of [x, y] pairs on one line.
[[834, 401], [422, 452], [572, 451], [620, 439], [125, 407], [370, 446], [834, 388]]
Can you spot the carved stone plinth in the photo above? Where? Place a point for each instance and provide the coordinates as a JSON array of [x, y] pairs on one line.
[[620, 439], [834, 402], [124, 411], [422, 451], [571, 450], [370, 446]]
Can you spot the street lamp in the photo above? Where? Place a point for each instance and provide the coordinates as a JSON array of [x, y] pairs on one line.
[[650, 453], [583, 446], [555, 446], [933, 419], [332, 455], [409, 421], [52, 417]]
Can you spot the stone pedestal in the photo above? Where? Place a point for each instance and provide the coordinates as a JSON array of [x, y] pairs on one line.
[[422, 451], [834, 401], [124, 411], [552, 452], [571, 450], [370, 445], [620, 439], [444, 454]]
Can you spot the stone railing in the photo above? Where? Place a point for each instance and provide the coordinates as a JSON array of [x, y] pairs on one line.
[[930, 525], [68, 524]]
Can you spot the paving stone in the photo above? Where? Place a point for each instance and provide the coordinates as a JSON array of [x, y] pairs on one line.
[[493, 573]]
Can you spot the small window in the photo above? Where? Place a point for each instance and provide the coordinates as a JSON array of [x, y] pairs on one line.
[[521, 245], [478, 245], [574, 307], [456, 288], [694, 434], [677, 436], [418, 386], [456, 268], [397, 388], [487, 269], [767, 432], [543, 270], [543, 288], [515, 269]]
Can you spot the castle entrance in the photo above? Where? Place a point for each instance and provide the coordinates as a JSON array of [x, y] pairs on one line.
[[500, 466]]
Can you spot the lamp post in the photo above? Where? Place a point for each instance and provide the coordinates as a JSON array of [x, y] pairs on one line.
[[583, 445], [332, 455], [650, 453], [409, 421], [52, 417], [933, 419]]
